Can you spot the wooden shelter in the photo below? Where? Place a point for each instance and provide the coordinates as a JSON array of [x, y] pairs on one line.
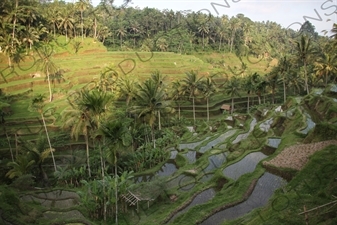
[[225, 107], [133, 199]]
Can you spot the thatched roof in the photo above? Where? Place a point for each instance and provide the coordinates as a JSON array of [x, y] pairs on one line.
[[226, 107]]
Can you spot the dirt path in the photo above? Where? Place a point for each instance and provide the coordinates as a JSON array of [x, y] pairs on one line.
[[296, 156]]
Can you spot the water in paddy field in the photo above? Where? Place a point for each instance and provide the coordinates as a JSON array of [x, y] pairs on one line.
[[265, 126], [245, 165], [245, 135], [167, 169], [192, 146], [274, 142], [218, 140], [264, 189], [310, 124], [199, 199], [191, 156], [215, 161]]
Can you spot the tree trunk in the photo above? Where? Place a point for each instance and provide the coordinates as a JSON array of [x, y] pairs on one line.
[[306, 77], [159, 123], [49, 87], [82, 23], [95, 28], [116, 190], [207, 111], [87, 151], [179, 112], [51, 150], [9, 144], [284, 90], [14, 22], [103, 180], [248, 104], [193, 110]]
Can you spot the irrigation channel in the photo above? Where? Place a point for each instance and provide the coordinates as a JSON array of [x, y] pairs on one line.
[[265, 186]]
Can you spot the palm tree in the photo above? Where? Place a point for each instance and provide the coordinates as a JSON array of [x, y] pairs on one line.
[[118, 136], [82, 6], [38, 152], [249, 86], [85, 115], [191, 85], [47, 65], [66, 20], [233, 87], [20, 167], [108, 79], [38, 104], [177, 94], [304, 51], [326, 65], [203, 29], [78, 121], [284, 66], [234, 26], [208, 89], [127, 88], [121, 32], [150, 102], [260, 86], [272, 81], [30, 36]]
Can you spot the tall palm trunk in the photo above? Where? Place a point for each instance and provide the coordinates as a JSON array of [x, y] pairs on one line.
[[82, 23], [248, 104], [95, 28], [284, 90], [9, 144], [103, 180], [87, 151], [306, 77], [207, 110], [14, 22], [49, 86], [116, 186], [51, 150], [193, 110], [159, 123]]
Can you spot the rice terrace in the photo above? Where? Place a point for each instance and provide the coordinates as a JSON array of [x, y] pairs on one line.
[[120, 115]]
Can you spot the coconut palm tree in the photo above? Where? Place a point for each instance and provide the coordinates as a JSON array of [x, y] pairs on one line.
[[233, 87], [66, 20], [108, 79], [118, 136], [38, 152], [150, 102], [47, 65], [85, 115], [191, 85], [127, 88], [208, 89], [249, 86], [283, 67], [326, 65], [82, 5], [121, 32], [304, 51], [203, 29], [177, 94]]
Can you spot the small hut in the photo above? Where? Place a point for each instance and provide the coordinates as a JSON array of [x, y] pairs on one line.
[[225, 107]]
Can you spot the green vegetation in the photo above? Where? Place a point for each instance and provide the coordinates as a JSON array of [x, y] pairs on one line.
[[158, 104]]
